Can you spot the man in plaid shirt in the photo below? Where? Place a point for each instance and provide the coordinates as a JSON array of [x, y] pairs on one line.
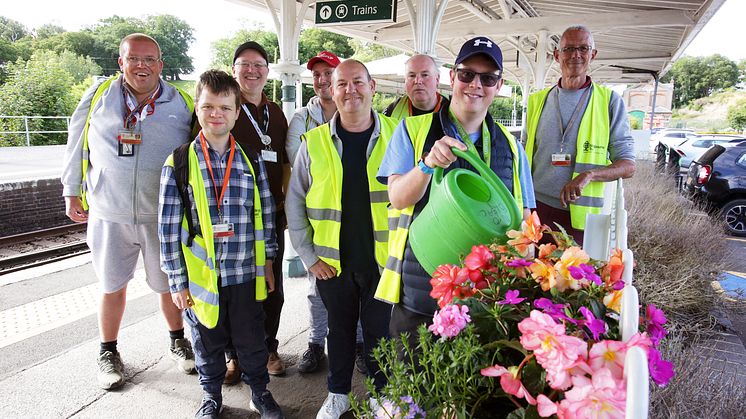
[[240, 238]]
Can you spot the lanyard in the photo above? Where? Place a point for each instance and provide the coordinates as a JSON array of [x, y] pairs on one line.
[[228, 165], [437, 105], [486, 139], [261, 133], [573, 117], [138, 112]]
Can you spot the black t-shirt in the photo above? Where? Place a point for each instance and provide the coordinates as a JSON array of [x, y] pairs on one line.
[[356, 243]]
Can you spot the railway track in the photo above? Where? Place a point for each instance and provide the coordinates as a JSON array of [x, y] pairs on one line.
[[36, 248]]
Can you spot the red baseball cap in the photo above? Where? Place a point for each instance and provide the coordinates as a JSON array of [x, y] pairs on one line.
[[324, 56]]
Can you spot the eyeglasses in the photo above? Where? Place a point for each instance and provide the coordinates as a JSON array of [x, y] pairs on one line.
[[583, 49], [487, 79], [148, 61], [254, 65]]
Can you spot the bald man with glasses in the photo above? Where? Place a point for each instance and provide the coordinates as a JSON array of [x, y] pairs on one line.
[[577, 137]]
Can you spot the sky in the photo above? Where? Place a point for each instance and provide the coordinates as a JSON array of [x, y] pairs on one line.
[[723, 34]]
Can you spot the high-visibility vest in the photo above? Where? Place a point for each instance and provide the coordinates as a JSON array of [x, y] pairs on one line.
[[389, 287], [592, 147], [401, 110], [324, 198], [102, 88], [200, 256]]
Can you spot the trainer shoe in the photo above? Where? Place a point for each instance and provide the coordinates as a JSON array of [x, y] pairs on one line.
[[110, 370], [275, 366], [182, 354], [209, 409], [232, 372], [334, 406], [311, 358], [360, 364], [264, 404]]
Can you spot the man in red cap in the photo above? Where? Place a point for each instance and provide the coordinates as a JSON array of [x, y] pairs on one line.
[[319, 110]]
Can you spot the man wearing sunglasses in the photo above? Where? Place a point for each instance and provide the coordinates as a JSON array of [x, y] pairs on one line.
[[421, 143], [577, 137], [421, 80]]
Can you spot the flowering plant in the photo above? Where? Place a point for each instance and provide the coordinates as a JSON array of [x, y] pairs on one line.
[[524, 330]]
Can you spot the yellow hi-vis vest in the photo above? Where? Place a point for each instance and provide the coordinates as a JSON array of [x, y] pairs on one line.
[[200, 257], [324, 198], [389, 287], [401, 110], [592, 147], [102, 88]]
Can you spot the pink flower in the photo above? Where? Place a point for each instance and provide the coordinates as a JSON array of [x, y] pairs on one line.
[[654, 321], [509, 381], [545, 406], [511, 297], [640, 340], [596, 326], [599, 397], [661, 371], [608, 354], [449, 282], [518, 263], [557, 311], [479, 258], [450, 321], [553, 349]]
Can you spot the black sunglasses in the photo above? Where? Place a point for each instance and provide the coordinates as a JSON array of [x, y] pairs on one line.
[[487, 79]]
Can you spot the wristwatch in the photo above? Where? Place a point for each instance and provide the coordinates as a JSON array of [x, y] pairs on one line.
[[424, 167]]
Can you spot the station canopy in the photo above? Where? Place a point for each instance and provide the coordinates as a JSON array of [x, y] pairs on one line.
[[634, 38]]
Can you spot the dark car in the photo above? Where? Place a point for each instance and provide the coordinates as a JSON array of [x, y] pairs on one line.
[[717, 179]]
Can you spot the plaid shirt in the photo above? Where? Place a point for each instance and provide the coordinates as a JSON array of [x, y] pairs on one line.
[[234, 255]]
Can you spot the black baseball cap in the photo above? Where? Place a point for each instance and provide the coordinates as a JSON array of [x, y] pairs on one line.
[[481, 45], [250, 45]]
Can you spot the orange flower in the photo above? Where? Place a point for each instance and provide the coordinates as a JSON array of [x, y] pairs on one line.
[[546, 249], [614, 301], [543, 273], [613, 270], [573, 256], [531, 232]]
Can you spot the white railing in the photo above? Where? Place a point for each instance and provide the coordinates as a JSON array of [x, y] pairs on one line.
[[27, 132], [604, 232], [510, 123]]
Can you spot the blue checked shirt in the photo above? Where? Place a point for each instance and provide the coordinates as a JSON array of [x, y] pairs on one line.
[[234, 255]]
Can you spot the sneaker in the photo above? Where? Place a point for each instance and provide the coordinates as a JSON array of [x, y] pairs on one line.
[[209, 409], [110, 370], [264, 404], [334, 406], [232, 372], [311, 358], [275, 366], [360, 364], [182, 354]]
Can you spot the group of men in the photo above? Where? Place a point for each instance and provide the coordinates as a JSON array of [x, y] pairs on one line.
[[210, 221]]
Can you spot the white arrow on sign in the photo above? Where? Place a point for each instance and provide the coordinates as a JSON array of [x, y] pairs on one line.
[[325, 12]]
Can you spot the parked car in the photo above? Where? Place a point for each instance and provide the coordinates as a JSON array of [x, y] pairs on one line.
[[694, 146], [717, 180], [669, 137]]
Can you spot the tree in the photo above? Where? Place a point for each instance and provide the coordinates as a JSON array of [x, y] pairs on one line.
[[737, 116], [314, 40], [12, 30], [174, 36], [696, 77], [368, 51], [48, 30], [742, 71]]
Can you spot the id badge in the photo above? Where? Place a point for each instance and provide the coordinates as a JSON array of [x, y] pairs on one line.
[[269, 155], [127, 136], [222, 230], [561, 159], [126, 149]]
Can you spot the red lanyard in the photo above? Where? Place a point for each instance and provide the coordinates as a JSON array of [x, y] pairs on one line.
[[228, 165], [130, 120]]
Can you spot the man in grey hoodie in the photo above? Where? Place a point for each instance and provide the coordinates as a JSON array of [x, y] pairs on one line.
[[319, 110]]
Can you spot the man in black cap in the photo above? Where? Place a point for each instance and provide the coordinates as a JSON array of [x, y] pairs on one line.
[[414, 152], [262, 129]]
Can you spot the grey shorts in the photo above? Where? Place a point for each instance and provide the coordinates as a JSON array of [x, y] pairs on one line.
[[115, 248]]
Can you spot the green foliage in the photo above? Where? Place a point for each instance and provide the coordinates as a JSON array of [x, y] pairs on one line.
[[634, 123], [49, 84], [12, 30], [313, 40], [368, 51], [222, 49], [737, 116], [696, 77], [48, 30], [174, 36]]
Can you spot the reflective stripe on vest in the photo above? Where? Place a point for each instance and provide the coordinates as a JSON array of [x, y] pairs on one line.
[[324, 198], [418, 127], [100, 90], [592, 147], [200, 257]]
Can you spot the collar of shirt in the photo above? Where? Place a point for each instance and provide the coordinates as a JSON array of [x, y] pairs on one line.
[[586, 84]]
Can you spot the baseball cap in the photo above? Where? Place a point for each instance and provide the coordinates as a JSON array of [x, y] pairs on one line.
[[250, 45], [324, 56], [481, 45]]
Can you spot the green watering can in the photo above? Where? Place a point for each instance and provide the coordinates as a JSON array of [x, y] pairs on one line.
[[464, 209]]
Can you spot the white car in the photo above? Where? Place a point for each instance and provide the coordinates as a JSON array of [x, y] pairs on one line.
[[693, 147], [669, 137]]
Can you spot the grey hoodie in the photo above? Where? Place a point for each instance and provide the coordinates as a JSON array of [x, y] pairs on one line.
[[304, 119]]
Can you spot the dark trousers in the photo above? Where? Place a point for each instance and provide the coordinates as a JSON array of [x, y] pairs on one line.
[[347, 298], [240, 322], [550, 215], [275, 300], [407, 321]]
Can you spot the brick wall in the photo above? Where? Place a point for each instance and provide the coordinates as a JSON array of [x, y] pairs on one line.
[[31, 205]]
